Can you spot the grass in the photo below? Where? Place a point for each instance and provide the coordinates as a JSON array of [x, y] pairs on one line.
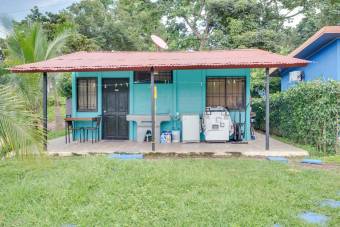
[[51, 110], [311, 149], [55, 134], [332, 159], [52, 134], [96, 191]]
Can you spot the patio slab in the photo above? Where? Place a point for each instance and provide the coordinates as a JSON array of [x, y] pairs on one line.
[[254, 148]]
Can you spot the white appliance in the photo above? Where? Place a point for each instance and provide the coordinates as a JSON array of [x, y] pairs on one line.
[[295, 76], [217, 124], [190, 128]]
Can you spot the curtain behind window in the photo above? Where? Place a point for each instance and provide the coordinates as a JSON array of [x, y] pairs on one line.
[[87, 94]]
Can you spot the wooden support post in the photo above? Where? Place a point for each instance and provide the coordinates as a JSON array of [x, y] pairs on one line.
[[153, 112], [44, 91], [267, 109]]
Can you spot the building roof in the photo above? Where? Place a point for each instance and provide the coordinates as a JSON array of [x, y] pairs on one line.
[[320, 39], [324, 36], [144, 61]]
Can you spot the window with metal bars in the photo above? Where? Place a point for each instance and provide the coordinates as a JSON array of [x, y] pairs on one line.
[[86, 94], [228, 92], [162, 77]]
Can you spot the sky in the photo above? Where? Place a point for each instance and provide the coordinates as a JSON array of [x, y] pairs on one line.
[[18, 9]]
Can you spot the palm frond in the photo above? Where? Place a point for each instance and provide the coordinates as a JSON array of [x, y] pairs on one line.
[[56, 45], [20, 129], [40, 43], [20, 104], [16, 55]]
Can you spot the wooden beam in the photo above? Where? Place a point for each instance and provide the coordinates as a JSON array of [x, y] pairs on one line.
[[267, 109], [44, 91], [153, 110]]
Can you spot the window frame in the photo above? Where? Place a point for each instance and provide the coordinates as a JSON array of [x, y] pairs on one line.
[[87, 96], [156, 82], [244, 92]]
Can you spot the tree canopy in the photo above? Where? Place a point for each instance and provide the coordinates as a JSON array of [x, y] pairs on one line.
[[188, 24]]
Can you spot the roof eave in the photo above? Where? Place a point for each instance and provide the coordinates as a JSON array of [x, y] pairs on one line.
[[158, 67]]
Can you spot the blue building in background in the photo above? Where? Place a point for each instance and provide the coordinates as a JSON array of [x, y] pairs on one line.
[[323, 51]]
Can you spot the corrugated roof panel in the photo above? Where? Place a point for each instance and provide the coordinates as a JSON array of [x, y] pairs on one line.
[[128, 60]]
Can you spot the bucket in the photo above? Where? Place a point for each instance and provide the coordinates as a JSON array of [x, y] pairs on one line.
[[176, 136]]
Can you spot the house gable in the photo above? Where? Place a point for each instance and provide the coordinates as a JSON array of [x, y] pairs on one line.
[[324, 65]]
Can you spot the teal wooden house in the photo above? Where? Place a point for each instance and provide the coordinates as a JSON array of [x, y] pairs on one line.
[[116, 94], [119, 86]]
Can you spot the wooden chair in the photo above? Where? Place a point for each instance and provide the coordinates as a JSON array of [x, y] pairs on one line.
[[95, 128]]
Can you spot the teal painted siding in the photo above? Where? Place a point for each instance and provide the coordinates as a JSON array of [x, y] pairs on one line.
[[186, 94], [100, 76], [190, 86]]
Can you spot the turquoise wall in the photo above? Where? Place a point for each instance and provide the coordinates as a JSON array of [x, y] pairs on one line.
[[185, 95]]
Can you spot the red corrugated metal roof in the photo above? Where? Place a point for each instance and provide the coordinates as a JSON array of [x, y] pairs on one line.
[[125, 61]]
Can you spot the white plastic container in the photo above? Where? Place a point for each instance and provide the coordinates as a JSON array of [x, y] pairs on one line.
[[176, 136]]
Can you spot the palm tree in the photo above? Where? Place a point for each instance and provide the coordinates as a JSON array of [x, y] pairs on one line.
[[30, 44], [17, 133], [20, 102]]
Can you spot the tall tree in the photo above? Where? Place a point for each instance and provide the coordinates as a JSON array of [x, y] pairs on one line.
[[211, 24], [316, 16], [191, 21], [55, 23], [137, 20], [118, 25]]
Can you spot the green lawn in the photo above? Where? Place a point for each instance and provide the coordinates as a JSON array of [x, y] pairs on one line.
[[55, 134], [96, 191], [51, 110], [332, 159], [311, 149]]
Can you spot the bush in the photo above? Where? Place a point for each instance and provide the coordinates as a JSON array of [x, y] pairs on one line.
[[305, 114], [64, 85], [258, 83]]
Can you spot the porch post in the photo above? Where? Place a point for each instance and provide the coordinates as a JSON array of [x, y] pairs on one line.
[[267, 109], [153, 117], [44, 90]]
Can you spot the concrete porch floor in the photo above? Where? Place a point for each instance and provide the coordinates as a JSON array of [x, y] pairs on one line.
[[253, 148]]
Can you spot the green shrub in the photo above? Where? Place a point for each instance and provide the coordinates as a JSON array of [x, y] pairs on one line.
[[64, 85], [305, 114]]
